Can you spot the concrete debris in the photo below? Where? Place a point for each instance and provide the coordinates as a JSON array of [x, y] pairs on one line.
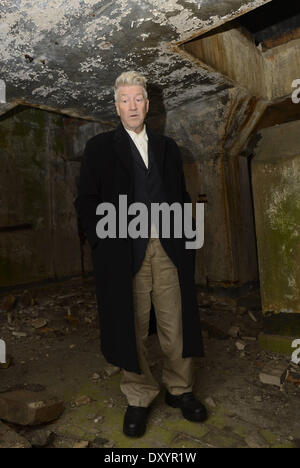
[[252, 316], [249, 338], [96, 377], [82, 444], [82, 401], [210, 402], [98, 419], [111, 370], [10, 439], [240, 345], [274, 373], [29, 408], [39, 323], [19, 334]]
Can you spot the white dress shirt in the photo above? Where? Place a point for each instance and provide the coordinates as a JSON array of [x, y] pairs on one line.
[[141, 142]]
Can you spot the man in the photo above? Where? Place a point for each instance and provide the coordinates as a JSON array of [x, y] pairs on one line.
[[133, 274]]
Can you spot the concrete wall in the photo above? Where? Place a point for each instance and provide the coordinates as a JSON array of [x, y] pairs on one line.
[[276, 185], [40, 159]]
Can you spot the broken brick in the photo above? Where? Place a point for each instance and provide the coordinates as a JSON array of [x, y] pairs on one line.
[[273, 373], [29, 408]]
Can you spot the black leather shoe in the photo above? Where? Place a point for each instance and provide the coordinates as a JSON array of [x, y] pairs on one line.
[[191, 408], [135, 421]]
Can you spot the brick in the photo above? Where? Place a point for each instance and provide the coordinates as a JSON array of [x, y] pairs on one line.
[[274, 373], [29, 408], [10, 439]]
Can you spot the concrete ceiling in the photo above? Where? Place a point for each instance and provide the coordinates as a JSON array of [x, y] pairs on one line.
[[65, 54]]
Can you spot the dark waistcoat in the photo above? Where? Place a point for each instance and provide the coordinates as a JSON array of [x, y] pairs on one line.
[[148, 188]]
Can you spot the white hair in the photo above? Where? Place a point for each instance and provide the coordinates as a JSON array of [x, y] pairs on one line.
[[131, 78]]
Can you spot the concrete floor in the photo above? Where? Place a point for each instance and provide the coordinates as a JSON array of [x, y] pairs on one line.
[[64, 355]]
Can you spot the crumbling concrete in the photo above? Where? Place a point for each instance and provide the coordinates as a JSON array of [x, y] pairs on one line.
[[65, 55], [29, 408]]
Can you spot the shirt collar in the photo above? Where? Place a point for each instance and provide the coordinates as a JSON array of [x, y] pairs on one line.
[[141, 135]]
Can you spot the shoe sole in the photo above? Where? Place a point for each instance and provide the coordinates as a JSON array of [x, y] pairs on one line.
[[133, 434]]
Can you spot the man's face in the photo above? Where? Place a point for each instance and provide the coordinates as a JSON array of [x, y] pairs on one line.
[[132, 107]]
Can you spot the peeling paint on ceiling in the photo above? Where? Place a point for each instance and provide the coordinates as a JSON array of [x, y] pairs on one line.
[[66, 55]]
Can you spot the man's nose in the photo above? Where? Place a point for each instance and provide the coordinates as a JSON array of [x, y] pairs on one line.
[[132, 104]]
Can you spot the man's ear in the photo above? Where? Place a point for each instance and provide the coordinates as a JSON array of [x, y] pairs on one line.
[[147, 105], [117, 108]]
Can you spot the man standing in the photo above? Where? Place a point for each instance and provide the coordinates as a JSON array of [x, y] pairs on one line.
[[133, 274]]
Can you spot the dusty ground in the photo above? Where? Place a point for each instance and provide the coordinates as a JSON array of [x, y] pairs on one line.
[[60, 352]]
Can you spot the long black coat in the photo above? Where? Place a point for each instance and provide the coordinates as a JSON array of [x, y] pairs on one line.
[[106, 173]]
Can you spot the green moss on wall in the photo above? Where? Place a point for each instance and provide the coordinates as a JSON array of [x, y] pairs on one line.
[[278, 233]]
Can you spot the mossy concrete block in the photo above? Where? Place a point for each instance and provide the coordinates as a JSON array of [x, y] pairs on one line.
[[276, 191], [276, 343]]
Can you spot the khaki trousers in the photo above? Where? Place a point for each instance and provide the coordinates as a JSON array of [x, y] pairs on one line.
[[157, 280]]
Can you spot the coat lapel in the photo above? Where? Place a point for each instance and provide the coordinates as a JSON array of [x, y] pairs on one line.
[[157, 147], [123, 150], [124, 153]]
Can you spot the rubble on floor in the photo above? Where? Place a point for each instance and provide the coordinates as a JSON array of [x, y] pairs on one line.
[[52, 338], [29, 408]]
